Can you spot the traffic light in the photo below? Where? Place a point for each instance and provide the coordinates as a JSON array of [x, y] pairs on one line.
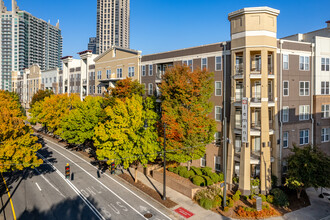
[[113, 168], [67, 171]]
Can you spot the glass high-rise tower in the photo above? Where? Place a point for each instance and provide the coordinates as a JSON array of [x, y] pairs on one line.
[[26, 40], [113, 21]]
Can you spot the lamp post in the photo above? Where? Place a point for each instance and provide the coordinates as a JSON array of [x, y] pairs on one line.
[[164, 174]]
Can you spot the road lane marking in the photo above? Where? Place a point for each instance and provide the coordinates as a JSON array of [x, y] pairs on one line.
[[38, 186], [11, 202], [99, 182], [85, 200], [49, 182], [109, 177]]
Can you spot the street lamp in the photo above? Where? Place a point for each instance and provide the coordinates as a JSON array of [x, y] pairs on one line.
[[164, 174]]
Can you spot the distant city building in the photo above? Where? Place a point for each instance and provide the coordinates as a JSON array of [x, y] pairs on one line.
[[92, 44], [26, 40], [113, 24]]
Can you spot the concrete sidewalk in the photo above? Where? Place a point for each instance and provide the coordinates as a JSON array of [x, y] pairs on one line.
[[318, 210]]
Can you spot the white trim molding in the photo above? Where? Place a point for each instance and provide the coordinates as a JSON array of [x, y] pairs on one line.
[[253, 33]]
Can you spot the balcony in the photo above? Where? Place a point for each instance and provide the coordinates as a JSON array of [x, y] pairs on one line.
[[159, 75], [84, 81]]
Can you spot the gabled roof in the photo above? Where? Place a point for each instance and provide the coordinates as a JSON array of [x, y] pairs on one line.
[[136, 52]]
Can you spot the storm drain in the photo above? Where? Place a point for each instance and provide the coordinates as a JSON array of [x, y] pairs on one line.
[[148, 215]]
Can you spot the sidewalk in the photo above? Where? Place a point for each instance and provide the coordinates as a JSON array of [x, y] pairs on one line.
[[318, 210]]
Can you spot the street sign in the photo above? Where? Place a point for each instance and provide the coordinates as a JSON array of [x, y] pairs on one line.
[[67, 171], [244, 120], [184, 212]]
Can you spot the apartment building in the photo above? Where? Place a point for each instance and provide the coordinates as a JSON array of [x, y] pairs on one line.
[[26, 40], [113, 24], [78, 75], [116, 64]]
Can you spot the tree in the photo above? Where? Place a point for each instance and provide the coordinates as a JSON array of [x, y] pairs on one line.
[[17, 147], [78, 126], [53, 109], [125, 88], [122, 138], [307, 167], [185, 110], [40, 96]]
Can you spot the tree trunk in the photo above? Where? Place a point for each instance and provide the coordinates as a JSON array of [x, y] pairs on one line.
[[298, 193], [136, 173], [188, 165]]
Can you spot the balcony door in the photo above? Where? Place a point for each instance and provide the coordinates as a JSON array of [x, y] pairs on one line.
[[257, 90]]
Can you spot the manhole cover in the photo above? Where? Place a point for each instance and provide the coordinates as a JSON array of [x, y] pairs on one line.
[[148, 215]]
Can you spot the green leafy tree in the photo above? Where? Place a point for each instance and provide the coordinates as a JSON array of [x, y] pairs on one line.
[[40, 96], [122, 138], [78, 126], [308, 167], [17, 147], [185, 110]]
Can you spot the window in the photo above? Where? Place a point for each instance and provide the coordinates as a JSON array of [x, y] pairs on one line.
[[204, 63], [217, 138], [325, 64], [131, 71], [143, 70], [150, 89], [218, 112], [54, 80], [46, 80], [93, 89], [109, 74], [285, 139], [99, 74], [304, 137], [217, 164], [218, 88], [285, 61], [238, 143], [150, 70], [303, 63], [99, 89], [188, 63], [43, 80], [325, 88], [286, 114], [303, 88], [325, 134], [218, 62], [325, 111], [203, 161], [120, 73], [303, 112], [285, 88]]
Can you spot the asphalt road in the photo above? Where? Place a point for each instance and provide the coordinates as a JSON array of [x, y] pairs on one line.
[[45, 193]]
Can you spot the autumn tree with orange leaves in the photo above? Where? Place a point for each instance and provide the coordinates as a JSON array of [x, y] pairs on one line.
[[17, 146], [185, 110]]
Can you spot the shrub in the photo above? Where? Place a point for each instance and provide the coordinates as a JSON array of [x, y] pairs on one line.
[[270, 199], [197, 171], [206, 170], [280, 198], [183, 172], [208, 181], [189, 174], [235, 197], [230, 203], [274, 181], [246, 197], [198, 180], [176, 170], [221, 177], [235, 179], [215, 177], [206, 203], [238, 192], [252, 213], [216, 201], [226, 209], [251, 196], [171, 169], [263, 197]]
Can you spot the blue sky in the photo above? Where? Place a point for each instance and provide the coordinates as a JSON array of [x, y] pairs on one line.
[[163, 25]]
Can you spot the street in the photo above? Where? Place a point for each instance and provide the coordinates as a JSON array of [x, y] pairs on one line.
[[45, 193]]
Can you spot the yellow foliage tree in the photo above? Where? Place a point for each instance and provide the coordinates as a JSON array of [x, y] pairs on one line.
[[17, 146]]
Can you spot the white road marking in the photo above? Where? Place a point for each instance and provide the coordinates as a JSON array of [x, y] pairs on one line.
[[99, 182], [85, 200], [49, 182], [38, 186], [110, 178]]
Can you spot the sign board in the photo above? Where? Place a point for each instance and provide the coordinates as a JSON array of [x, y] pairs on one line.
[[258, 204], [244, 120], [184, 212]]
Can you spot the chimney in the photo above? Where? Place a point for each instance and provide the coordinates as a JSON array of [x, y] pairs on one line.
[[328, 23]]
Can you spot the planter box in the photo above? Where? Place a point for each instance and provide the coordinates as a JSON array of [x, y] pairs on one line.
[[178, 183]]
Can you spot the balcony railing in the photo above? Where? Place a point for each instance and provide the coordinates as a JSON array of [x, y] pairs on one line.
[[239, 69], [256, 99], [256, 125], [270, 97], [84, 81], [238, 95]]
